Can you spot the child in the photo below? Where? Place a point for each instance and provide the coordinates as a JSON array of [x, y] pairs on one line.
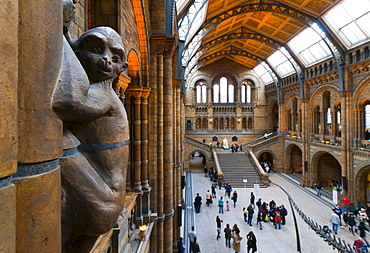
[[227, 206], [259, 220]]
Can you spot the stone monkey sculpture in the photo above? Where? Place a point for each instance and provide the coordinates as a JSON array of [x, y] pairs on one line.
[[96, 136]]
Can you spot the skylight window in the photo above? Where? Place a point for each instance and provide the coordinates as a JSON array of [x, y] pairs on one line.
[[350, 21], [180, 5], [265, 73], [282, 61], [309, 46]]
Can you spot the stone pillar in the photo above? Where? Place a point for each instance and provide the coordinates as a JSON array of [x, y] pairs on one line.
[[135, 92], [8, 123], [322, 122], [38, 179], [307, 176], [167, 154], [144, 156], [160, 150], [153, 145], [347, 120]]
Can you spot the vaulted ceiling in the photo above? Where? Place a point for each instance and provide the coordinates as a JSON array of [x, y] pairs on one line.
[[249, 31]]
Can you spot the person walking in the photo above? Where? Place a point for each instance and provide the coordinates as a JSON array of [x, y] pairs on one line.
[[197, 203], [213, 188], [259, 220], [218, 223], [194, 247], [227, 206], [318, 189], [192, 236], [236, 229], [334, 219], [259, 204], [245, 214], [277, 220], [228, 235], [250, 214], [251, 242], [208, 197], [252, 198], [236, 242], [264, 211], [234, 198], [339, 212], [221, 205], [283, 213], [362, 217], [180, 246]]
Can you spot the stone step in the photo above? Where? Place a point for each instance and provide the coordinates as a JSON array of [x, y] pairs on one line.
[[236, 167]]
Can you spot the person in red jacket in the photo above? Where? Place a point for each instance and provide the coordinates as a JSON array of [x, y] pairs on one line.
[[277, 220], [345, 203]]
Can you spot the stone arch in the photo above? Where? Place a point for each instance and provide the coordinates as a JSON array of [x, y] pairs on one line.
[[293, 162], [267, 155], [273, 111], [134, 68], [362, 183], [203, 153], [319, 91], [254, 79], [325, 166], [139, 11]]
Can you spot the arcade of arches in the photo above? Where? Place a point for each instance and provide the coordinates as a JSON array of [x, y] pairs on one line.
[[197, 70]]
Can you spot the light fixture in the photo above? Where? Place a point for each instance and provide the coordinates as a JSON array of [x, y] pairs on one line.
[[142, 230]]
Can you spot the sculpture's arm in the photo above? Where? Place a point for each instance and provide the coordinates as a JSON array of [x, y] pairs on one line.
[[74, 97]]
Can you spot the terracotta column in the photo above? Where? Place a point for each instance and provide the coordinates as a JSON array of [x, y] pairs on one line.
[[135, 92], [167, 155], [144, 156], [38, 180], [153, 145], [160, 150], [8, 123]]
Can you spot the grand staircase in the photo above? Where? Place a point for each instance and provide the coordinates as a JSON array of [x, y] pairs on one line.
[[236, 167]]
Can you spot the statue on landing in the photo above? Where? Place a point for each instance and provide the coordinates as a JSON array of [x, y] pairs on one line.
[[225, 143], [96, 136]]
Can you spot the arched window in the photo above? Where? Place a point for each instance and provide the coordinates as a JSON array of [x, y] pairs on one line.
[[216, 93], [367, 117], [223, 92], [201, 93], [328, 116], [246, 93]]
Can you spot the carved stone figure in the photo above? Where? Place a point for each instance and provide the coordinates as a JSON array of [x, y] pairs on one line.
[[96, 136], [225, 144]]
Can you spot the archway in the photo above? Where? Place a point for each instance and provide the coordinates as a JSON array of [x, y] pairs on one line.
[[294, 154], [362, 194], [327, 167], [274, 119], [266, 158], [198, 160]]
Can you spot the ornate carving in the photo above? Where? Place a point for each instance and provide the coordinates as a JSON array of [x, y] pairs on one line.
[[96, 137]]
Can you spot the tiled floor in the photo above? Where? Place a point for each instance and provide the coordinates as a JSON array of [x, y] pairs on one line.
[[268, 239]]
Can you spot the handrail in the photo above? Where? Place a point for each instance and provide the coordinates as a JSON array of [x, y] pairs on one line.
[[259, 140], [198, 143], [217, 164], [263, 174]]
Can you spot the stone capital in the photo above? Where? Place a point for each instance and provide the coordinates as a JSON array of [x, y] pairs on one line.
[[135, 91], [146, 92], [123, 81]]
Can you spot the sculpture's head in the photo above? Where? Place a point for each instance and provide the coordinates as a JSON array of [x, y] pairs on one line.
[[69, 11], [101, 53]]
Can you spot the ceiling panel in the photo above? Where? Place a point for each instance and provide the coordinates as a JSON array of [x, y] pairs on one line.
[[276, 26]]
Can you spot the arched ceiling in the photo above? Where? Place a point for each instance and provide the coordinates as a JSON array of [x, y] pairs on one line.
[[256, 27]]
